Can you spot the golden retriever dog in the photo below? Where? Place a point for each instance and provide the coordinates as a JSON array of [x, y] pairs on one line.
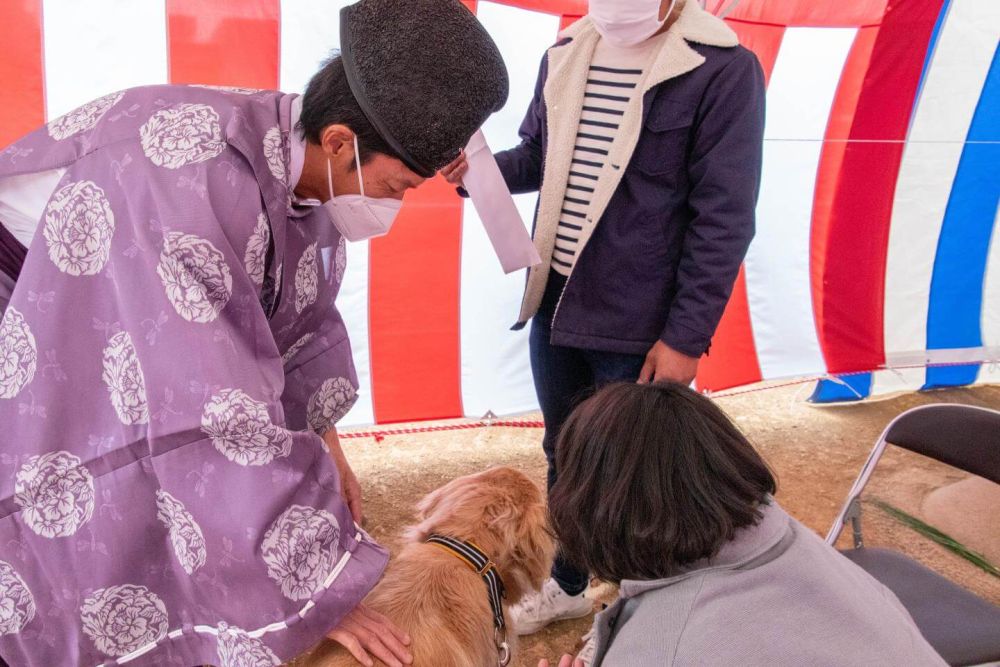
[[436, 597]]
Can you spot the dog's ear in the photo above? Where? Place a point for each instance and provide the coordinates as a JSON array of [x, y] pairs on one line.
[[520, 520], [535, 547]]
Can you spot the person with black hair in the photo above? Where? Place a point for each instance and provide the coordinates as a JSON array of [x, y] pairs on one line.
[[644, 141], [190, 243], [660, 493]]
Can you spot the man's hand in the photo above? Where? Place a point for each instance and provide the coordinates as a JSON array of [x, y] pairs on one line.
[[567, 661], [349, 486], [455, 172], [364, 633], [666, 363]]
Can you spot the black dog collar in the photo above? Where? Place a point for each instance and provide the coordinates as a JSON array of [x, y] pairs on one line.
[[481, 564]]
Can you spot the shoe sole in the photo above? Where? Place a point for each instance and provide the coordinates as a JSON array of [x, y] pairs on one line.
[[541, 626]]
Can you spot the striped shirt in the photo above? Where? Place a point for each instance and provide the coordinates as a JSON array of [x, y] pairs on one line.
[[615, 77]]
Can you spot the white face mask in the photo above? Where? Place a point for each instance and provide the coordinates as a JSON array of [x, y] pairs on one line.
[[358, 217], [627, 22]]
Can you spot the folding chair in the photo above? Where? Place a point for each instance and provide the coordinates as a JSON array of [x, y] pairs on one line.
[[962, 627]]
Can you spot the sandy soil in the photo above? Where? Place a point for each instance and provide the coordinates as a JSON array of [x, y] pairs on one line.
[[816, 452]]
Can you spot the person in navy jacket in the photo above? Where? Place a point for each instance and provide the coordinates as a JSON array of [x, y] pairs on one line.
[[644, 140]]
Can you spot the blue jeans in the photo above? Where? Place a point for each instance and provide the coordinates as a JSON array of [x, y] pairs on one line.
[[565, 376]]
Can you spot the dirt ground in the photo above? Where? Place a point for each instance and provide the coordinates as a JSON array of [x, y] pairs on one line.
[[816, 452]]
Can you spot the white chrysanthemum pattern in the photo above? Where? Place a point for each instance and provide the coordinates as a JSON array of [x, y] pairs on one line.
[[84, 118], [306, 279], [79, 225], [340, 260], [239, 649], [17, 604], [299, 344], [55, 493], [255, 257], [185, 533], [274, 153], [241, 429], [121, 619], [330, 403], [300, 549], [124, 380], [182, 134], [18, 353], [195, 276]]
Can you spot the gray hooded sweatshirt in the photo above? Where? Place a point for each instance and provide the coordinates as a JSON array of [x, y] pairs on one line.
[[775, 595]]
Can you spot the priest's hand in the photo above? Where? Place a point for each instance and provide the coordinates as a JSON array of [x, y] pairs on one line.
[[666, 363], [365, 633], [456, 171], [567, 661], [349, 486]]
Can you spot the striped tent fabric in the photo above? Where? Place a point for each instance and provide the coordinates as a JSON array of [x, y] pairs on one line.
[[875, 266]]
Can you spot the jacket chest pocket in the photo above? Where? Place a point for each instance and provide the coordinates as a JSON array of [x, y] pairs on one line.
[[665, 139]]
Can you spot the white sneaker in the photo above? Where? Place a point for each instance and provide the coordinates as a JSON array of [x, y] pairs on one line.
[[589, 649], [540, 608]]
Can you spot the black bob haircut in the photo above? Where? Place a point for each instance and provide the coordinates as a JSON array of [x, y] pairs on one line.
[[328, 100], [652, 478]]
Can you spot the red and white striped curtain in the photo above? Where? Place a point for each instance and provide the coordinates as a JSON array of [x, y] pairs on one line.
[[875, 252]]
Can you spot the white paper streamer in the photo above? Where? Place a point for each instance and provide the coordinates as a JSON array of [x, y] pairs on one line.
[[495, 206]]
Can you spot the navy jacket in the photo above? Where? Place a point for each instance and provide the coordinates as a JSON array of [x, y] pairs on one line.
[[664, 256]]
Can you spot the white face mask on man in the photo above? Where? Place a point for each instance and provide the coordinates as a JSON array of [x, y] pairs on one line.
[[358, 217], [628, 22]]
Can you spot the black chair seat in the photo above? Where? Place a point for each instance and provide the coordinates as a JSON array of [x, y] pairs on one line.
[[962, 627]]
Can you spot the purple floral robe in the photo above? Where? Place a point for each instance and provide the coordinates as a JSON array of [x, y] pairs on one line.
[[170, 352]]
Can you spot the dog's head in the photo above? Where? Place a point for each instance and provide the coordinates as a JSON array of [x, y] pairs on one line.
[[501, 511]]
